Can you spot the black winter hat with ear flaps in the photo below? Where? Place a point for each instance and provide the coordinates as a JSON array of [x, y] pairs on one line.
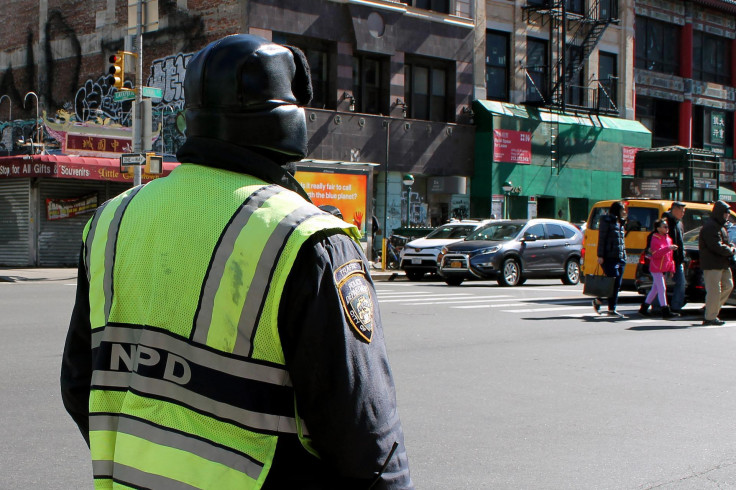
[[246, 90]]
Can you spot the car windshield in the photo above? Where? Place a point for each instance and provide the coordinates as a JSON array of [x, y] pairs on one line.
[[451, 231], [499, 231]]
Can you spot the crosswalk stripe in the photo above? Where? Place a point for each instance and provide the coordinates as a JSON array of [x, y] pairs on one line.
[[450, 297], [451, 302], [552, 308]]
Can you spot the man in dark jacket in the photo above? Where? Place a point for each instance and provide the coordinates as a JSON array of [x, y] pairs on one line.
[[674, 220], [715, 254], [612, 252]]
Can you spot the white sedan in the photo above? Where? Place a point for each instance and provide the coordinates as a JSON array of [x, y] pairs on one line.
[[419, 256]]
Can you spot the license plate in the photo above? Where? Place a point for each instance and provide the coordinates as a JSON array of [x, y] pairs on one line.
[[456, 264], [632, 259], [416, 261]]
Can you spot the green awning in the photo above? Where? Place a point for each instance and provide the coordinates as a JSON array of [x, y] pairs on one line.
[[514, 110], [726, 193]]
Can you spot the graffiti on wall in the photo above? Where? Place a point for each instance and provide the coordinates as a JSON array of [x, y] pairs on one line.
[[94, 100], [168, 75]]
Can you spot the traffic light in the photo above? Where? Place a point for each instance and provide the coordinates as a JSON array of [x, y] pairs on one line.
[[117, 70]]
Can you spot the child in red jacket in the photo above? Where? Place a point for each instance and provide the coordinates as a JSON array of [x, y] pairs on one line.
[[661, 262]]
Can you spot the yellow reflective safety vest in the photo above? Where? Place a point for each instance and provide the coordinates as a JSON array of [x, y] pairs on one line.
[[189, 387]]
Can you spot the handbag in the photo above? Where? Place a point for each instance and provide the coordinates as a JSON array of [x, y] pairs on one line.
[[599, 286]]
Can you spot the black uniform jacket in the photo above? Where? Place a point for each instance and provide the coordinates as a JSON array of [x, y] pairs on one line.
[[344, 386]]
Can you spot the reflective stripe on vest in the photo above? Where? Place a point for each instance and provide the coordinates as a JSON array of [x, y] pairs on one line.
[[203, 407]]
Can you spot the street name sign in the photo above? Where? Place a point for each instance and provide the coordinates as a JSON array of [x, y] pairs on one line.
[[123, 95], [153, 92], [132, 159]]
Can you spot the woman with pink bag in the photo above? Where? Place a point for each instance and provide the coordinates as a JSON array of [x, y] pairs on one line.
[[660, 263]]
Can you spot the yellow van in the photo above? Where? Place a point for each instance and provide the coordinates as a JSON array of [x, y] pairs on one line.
[[642, 213]]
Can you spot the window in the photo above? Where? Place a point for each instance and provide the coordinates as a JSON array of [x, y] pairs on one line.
[[575, 6], [442, 6], [497, 66], [657, 46], [711, 58], [555, 232], [369, 86], [426, 88], [608, 9], [536, 67], [661, 117], [569, 232], [536, 230], [608, 79], [318, 53], [576, 89]]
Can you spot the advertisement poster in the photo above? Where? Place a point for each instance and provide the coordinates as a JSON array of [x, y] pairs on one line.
[[512, 146], [629, 157], [347, 192], [641, 188], [66, 208]]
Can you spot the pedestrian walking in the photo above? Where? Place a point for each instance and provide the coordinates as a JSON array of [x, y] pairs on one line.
[[715, 255], [675, 231], [226, 332], [660, 263], [612, 253]]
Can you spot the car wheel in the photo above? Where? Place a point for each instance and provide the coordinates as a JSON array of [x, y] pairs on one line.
[[414, 275], [572, 272], [510, 273], [453, 281]]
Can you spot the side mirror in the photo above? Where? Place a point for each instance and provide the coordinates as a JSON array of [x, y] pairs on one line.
[[529, 238]]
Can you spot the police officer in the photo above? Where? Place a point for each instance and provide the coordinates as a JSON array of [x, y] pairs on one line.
[[226, 332]]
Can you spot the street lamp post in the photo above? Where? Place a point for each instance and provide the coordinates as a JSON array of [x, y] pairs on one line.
[[507, 188], [408, 180]]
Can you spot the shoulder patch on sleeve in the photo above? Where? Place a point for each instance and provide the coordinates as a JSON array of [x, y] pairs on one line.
[[356, 297]]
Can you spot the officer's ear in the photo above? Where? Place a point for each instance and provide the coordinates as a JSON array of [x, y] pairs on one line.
[[301, 86]]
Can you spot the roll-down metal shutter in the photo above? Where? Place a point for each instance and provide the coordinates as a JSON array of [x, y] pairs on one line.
[[15, 199], [59, 240]]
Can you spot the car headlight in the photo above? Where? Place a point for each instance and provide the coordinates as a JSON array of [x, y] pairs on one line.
[[489, 250], [442, 253]]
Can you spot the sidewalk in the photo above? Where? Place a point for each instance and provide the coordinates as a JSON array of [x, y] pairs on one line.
[[70, 274]]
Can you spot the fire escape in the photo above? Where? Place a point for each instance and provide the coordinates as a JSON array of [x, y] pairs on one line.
[[573, 35], [572, 38]]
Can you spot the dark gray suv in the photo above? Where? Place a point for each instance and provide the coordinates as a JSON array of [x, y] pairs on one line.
[[512, 251]]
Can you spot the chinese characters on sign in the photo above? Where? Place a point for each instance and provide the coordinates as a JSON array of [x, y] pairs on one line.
[[96, 145], [717, 127], [512, 146]]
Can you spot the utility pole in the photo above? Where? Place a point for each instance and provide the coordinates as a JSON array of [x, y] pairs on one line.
[[138, 116]]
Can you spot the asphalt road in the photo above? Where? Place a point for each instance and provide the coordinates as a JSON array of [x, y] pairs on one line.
[[498, 388]]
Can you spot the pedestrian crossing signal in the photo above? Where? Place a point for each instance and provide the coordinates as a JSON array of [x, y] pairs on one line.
[[117, 70]]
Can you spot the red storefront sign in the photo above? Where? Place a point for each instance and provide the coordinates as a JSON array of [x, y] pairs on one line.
[[512, 146], [629, 157], [97, 145], [71, 167]]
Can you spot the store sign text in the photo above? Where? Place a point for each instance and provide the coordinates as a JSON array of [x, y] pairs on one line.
[[512, 146]]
